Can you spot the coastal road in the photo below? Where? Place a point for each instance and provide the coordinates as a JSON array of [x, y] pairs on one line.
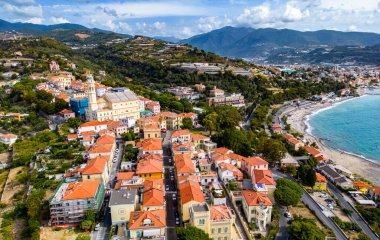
[[354, 216], [312, 205]]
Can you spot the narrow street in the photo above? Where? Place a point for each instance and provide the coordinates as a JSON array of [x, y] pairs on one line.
[[170, 184], [105, 217]]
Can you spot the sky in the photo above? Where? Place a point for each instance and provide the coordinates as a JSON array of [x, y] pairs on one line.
[[185, 18]]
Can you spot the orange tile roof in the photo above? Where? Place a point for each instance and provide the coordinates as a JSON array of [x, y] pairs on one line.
[[63, 96], [217, 157], [80, 190], [66, 111], [203, 162], [88, 139], [313, 151], [192, 177], [180, 133], [157, 217], [287, 136], [237, 157], [236, 172], [222, 150], [294, 141], [264, 177], [152, 104], [220, 213], [101, 149], [198, 137], [88, 133], [256, 199], [106, 139], [95, 166], [255, 161], [152, 126], [188, 115], [125, 175], [320, 178], [92, 123], [72, 136], [153, 193], [150, 144], [168, 115], [376, 190], [362, 184], [183, 163], [183, 147], [191, 191], [149, 165]]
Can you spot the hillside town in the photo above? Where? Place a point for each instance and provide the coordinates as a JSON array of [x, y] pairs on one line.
[[127, 166]]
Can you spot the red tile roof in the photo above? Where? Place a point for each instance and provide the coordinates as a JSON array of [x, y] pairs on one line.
[[320, 178], [256, 199], [191, 191], [180, 133], [150, 164], [255, 161], [183, 163], [150, 144], [264, 177], [80, 190], [125, 175], [96, 165], [220, 213], [157, 217]]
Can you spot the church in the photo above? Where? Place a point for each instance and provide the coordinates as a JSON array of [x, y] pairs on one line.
[[116, 106]]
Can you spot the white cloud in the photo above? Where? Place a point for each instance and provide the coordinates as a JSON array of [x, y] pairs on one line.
[[294, 14], [20, 9], [58, 20], [352, 28], [210, 23], [255, 15], [34, 20]]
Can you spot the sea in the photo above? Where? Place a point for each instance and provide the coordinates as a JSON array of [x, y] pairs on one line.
[[352, 126]]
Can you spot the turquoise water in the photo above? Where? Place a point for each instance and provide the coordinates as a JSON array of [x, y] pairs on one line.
[[352, 126]]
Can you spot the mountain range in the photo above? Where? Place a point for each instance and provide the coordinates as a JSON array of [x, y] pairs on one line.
[[262, 43], [65, 32]]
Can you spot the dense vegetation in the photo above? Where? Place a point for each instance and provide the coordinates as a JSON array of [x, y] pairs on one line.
[[287, 193], [191, 233], [372, 216], [305, 229]]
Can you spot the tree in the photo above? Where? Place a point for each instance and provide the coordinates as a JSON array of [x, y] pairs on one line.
[[187, 123], [287, 192], [209, 122], [190, 232], [292, 170], [73, 122], [60, 104], [305, 229], [89, 215], [33, 203], [307, 175], [86, 225], [273, 150], [83, 236]]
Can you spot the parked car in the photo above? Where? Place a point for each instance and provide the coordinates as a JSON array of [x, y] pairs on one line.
[[167, 187], [163, 130], [288, 215], [177, 221], [174, 196], [97, 227]]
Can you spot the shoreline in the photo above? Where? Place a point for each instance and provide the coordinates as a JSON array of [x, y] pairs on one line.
[[298, 119]]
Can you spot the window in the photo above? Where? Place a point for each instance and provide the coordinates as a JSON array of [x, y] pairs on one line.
[[78, 203], [201, 221], [226, 229], [88, 176], [253, 211], [219, 238], [219, 230], [225, 238], [212, 230]]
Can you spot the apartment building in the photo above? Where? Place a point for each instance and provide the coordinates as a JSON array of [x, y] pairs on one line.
[[173, 120], [122, 203], [191, 193], [97, 169], [257, 208], [235, 100], [150, 167], [147, 224], [71, 200], [215, 220]]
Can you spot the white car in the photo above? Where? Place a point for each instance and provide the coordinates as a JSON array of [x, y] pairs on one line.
[[97, 227], [174, 196]]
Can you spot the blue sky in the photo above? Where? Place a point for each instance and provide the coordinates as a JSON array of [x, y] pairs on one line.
[[185, 18]]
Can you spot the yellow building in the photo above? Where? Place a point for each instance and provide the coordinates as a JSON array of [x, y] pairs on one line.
[[147, 224], [216, 220], [257, 208], [97, 169], [191, 193], [122, 203], [173, 120], [152, 131], [114, 106], [150, 167], [320, 183]]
